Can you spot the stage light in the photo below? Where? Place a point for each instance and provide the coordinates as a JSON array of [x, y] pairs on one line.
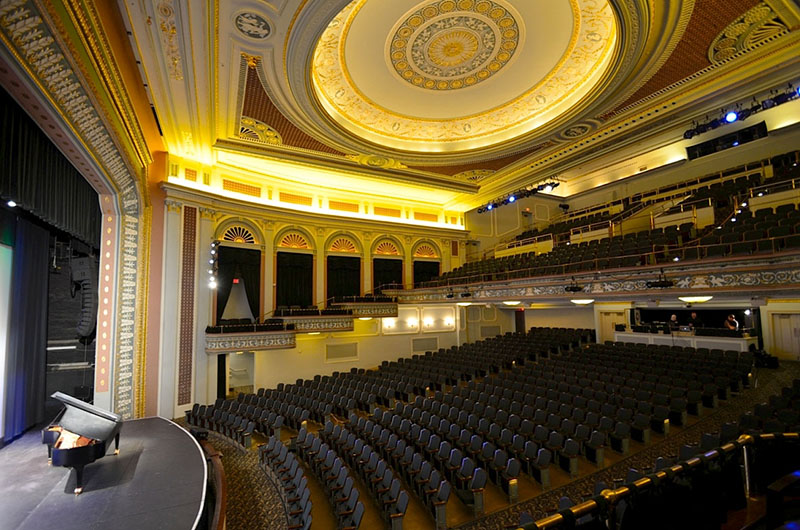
[[744, 205], [488, 206], [548, 188], [11, 204], [768, 103], [213, 252], [689, 134], [512, 198], [731, 117], [747, 312], [556, 184], [211, 261], [676, 258], [212, 284], [735, 144]]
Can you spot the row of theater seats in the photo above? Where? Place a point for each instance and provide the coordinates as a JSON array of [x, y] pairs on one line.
[[780, 414], [371, 460], [710, 500], [719, 194], [282, 468], [334, 476], [235, 420], [630, 250], [764, 231], [565, 226]]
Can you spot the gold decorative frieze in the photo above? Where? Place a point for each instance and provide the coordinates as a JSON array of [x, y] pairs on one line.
[[168, 32], [321, 323], [387, 248], [425, 251], [257, 131], [173, 206], [231, 343], [377, 161], [757, 26], [369, 309], [343, 244]]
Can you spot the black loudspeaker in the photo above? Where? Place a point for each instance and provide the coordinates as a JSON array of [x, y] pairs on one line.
[[83, 273]]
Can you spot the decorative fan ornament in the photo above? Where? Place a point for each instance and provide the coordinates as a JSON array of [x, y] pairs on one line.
[[425, 251], [239, 234], [387, 248], [294, 240], [343, 244]]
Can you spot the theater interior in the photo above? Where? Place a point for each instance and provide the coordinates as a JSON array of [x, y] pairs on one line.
[[422, 264]]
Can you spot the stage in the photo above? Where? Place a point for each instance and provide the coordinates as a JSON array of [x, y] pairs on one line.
[[158, 481]]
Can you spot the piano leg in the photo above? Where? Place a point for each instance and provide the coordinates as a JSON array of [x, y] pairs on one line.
[[79, 478], [116, 444]]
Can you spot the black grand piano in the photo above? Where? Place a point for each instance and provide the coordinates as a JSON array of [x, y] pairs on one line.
[[80, 434]]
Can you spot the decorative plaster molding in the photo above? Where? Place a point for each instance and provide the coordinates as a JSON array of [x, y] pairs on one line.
[[208, 213], [369, 309], [326, 323], [758, 25], [167, 29], [173, 206], [227, 343]]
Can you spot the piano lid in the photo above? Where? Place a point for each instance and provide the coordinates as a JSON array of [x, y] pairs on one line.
[[85, 419]]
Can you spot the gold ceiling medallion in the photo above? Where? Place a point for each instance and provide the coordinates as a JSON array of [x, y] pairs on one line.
[[387, 248], [425, 251], [474, 175], [432, 48], [758, 25], [343, 244], [239, 234], [377, 161], [293, 240], [258, 131], [441, 46]]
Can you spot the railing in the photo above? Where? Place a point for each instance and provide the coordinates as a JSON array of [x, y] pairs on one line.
[[605, 504], [664, 256], [522, 242], [775, 187], [214, 459]]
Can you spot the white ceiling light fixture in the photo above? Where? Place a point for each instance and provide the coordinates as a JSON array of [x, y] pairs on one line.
[[463, 304], [511, 302], [582, 301], [694, 299]]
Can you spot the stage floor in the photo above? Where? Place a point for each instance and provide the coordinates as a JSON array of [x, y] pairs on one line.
[[156, 482]]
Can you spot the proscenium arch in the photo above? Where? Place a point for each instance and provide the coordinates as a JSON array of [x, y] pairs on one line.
[[228, 222]]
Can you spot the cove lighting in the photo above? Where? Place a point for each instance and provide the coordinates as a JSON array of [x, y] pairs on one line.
[[313, 332], [463, 304], [11, 204], [511, 302], [365, 318], [582, 301], [695, 299]]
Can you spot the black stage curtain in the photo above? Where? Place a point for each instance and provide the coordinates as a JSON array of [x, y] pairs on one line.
[[35, 174], [425, 271], [344, 276], [245, 262], [27, 334], [386, 271], [294, 279]]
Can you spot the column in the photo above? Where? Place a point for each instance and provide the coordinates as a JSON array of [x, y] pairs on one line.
[[169, 309], [408, 263], [203, 305], [319, 267], [268, 274], [366, 263]]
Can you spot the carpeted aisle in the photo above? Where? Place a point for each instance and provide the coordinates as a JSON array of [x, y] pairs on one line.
[[253, 501]]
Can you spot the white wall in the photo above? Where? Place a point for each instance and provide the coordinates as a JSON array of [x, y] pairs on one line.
[[6, 266], [560, 317], [772, 307], [505, 222], [378, 340]]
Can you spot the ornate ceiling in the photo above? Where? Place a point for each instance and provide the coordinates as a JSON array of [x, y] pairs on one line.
[[458, 99]]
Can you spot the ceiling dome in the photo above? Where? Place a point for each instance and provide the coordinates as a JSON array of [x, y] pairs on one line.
[[456, 75]]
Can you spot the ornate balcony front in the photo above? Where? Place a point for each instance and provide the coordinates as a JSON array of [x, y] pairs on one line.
[[217, 343]]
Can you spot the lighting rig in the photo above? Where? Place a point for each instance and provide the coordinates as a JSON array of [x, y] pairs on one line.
[[573, 287], [212, 265], [546, 186], [661, 283], [742, 112]]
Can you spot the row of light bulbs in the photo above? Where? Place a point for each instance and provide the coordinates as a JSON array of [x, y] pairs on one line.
[[212, 265], [546, 187]]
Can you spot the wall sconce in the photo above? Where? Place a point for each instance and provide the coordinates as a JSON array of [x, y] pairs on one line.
[[448, 321], [412, 322], [388, 323], [427, 321]]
